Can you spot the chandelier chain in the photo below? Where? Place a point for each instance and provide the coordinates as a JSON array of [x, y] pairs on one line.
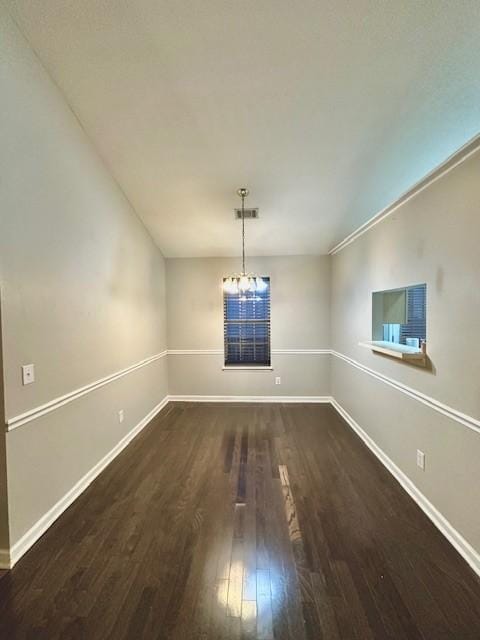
[[243, 283], [243, 233]]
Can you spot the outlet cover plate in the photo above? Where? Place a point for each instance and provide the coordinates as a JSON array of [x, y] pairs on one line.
[[28, 374], [421, 459]]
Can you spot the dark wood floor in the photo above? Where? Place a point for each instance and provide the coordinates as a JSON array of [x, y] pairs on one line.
[[242, 521]]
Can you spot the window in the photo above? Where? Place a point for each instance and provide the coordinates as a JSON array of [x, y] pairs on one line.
[[247, 327], [400, 315], [416, 326]]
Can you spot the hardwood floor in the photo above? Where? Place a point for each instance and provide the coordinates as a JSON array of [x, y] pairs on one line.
[[242, 522]]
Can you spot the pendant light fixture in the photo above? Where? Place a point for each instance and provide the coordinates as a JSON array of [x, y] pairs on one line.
[[243, 282]]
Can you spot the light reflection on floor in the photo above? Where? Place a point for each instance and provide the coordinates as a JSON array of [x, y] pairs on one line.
[[256, 607]]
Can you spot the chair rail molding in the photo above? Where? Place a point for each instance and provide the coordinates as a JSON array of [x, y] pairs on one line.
[[56, 403], [450, 412], [281, 399], [202, 352], [436, 405]]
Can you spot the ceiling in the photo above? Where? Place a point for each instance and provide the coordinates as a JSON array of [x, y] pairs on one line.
[[326, 109]]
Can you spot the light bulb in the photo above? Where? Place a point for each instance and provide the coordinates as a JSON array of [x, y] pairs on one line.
[[230, 285], [260, 284], [244, 284], [252, 285]]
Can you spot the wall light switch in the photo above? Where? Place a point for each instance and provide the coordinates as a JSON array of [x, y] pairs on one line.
[[28, 374], [278, 380], [420, 459], [121, 415]]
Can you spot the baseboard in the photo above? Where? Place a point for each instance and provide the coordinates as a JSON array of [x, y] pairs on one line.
[[8, 559], [305, 399], [33, 534], [463, 547], [5, 559]]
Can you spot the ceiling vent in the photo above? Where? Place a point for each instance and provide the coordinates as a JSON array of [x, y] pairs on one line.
[[249, 214]]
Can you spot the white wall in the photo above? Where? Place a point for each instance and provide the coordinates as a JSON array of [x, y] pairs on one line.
[[83, 291], [4, 533], [300, 319], [432, 238], [83, 296]]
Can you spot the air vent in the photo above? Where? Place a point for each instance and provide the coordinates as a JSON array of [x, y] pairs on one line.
[[249, 214]]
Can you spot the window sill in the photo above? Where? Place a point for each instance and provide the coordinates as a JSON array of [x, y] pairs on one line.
[[399, 351], [247, 368]]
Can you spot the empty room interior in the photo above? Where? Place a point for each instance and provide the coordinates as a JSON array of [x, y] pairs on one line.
[[240, 320]]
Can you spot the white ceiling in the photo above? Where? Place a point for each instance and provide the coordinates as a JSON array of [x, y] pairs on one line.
[[326, 109]]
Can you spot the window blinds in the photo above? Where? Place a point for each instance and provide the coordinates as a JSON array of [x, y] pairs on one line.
[[416, 326], [247, 327]]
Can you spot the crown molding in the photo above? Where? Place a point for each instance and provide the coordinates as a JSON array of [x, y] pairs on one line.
[[459, 156]]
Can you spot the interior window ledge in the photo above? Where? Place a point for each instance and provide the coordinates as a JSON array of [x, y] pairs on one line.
[[399, 351], [253, 367]]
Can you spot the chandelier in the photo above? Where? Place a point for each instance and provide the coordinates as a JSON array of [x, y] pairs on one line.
[[243, 282]]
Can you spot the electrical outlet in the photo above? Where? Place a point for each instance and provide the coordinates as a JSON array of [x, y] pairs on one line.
[[278, 380], [121, 415], [420, 460], [28, 374]]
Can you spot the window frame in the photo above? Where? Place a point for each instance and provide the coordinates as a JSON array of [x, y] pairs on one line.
[[265, 365], [388, 305], [410, 323]]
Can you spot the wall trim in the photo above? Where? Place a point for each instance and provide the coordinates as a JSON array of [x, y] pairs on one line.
[[56, 403], [436, 405], [302, 352], [197, 352], [39, 528], [450, 412], [293, 399], [455, 538], [5, 559], [459, 156], [194, 352], [8, 559]]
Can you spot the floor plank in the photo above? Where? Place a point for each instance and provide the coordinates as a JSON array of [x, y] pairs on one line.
[[242, 521]]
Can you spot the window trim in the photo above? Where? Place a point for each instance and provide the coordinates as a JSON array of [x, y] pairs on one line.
[[250, 366], [398, 350]]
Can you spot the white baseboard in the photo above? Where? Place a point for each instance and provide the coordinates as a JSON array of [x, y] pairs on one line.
[[250, 399], [5, 559], [8, 559], [33, 534], [463, 547]]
